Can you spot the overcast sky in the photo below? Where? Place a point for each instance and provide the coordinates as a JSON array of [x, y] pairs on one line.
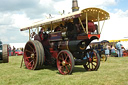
[[15, 14]]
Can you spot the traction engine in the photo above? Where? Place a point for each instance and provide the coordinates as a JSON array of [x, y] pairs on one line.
[[4, 55]]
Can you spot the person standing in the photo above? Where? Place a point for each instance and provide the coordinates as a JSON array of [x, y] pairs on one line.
[[119, 49], [107, 50], [45, 42], [9, 50], [14, 51]]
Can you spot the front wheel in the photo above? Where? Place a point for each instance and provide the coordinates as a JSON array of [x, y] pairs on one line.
[[93, 62], [65, 62]]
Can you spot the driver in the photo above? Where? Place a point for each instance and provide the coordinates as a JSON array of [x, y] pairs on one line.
[[41, 34], [44, 41]]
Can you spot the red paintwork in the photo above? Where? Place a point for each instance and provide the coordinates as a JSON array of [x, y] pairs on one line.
[[91, 27], [18, 52], [125, 53], [53, 53], [91, 35], [64, 56]]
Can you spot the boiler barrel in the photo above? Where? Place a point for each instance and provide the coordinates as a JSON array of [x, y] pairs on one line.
[[73, 46]]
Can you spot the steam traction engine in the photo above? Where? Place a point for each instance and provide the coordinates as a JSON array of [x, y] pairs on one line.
[[64, 41], [4, 56]]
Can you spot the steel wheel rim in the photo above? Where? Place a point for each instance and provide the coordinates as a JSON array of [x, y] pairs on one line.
[[64, 63], [30, 55]]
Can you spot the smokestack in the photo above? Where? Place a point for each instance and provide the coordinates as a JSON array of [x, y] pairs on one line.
[[75, 6]]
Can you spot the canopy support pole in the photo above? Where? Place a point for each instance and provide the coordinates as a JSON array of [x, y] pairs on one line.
[[102, 26], [37, 30], [82, 25], [98, 24], [86, 23], [29, 33], [51, 27]]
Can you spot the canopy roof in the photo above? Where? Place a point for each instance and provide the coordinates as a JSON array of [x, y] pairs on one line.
[[118, 40], [92, 14]]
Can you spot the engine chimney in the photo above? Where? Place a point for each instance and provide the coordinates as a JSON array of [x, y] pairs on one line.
[[75, 6]]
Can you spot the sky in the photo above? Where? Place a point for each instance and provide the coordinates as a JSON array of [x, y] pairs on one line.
[[15, 14]]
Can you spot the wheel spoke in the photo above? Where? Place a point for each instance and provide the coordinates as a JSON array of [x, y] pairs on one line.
[[62, 57], [29, 63], [89, 64], [68, 69], [28, 51], [33, 64], [62, 68], [93, 64], [27, 58], [59, 62], [59, 58], [94, 60], [67, 63], [31, 47], [65, 56]]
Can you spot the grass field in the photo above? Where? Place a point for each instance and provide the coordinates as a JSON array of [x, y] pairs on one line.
[[112, 72]]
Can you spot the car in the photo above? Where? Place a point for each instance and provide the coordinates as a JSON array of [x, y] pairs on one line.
[[17, 53]]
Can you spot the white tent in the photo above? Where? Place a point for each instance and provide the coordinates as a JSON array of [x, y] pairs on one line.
[[17, 45]]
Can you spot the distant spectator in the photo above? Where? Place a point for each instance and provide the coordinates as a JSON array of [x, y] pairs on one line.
[[22, 49], [113, 49], [107, 51], [9, 50], [119, 49], [13, 50]]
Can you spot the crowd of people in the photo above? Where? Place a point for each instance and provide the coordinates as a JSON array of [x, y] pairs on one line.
[[13, 50], [114, 50]]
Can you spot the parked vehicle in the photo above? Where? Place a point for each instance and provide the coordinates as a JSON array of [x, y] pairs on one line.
[[99, 47], [4, 54], [17, 53]]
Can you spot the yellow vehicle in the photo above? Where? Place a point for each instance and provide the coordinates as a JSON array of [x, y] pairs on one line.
[[65, 40]]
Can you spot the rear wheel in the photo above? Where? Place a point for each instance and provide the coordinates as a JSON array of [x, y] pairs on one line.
[[5, 53], [33, 55], [93, 62], [103, 57], [65, 62]]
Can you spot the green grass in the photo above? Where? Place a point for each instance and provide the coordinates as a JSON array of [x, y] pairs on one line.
[[112, 72]]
